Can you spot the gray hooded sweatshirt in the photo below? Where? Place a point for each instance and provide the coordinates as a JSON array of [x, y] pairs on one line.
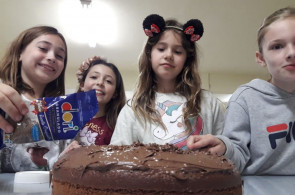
[[259, 130]]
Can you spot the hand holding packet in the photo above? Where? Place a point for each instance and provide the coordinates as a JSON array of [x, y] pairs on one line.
[[58, 118]]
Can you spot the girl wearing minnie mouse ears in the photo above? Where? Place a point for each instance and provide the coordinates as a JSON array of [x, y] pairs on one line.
[[96, 73], [168, 104]]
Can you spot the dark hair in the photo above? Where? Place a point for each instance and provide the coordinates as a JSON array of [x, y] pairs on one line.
[[10, 66], [115, 105]]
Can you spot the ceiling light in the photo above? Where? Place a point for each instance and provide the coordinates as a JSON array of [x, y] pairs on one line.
[[93, 25], [85, 3]]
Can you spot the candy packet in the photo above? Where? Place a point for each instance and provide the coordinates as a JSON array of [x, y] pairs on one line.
[[52, 118]]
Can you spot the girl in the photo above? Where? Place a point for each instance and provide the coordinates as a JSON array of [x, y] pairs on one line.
[[168, 104], [33, 67], [105, 78], [259, 129]]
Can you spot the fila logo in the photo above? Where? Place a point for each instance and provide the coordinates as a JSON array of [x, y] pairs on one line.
[[281, 131]]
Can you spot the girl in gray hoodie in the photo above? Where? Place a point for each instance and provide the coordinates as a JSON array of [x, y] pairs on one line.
[[259, 129]]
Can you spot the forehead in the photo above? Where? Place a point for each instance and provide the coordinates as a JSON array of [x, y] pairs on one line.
[[280, 26], [102, 69], [170, 36], [52, 39]]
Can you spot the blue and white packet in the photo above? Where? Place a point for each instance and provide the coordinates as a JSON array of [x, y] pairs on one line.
[[54, 118]]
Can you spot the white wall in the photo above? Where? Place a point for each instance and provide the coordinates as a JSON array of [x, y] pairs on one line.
[[221, 84]]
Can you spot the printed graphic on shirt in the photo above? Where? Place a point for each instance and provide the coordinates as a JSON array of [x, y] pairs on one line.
[[87, 136], [172, 117], [281, 131]]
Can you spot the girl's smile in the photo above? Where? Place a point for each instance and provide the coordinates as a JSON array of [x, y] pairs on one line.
[[48, 67], [99, 92]]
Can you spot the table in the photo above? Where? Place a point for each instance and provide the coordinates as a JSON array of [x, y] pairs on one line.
[[268, 185], [7, 187], [253, 185]]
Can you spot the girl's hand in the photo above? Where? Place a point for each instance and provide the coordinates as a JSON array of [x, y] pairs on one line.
[[70, 147], [207, 143], [13, 105]]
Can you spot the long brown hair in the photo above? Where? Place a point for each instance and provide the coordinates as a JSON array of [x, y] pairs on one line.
[[188, 82], [10, 67]]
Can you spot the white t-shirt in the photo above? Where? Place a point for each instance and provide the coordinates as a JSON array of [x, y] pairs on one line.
[[129, 129]]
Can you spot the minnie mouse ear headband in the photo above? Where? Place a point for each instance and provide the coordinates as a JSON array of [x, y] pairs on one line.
[[155, 24]]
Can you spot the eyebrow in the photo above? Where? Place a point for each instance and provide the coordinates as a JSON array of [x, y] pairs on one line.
[[48, 43], [165, 44], [275, 40], [106, 75]]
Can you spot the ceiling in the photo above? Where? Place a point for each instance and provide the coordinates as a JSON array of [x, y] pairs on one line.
[[227, 46]]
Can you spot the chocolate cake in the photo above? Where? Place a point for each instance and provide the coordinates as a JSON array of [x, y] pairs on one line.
[[143, 169]]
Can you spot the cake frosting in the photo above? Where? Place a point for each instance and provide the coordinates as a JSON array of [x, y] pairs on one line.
[[143, 169]]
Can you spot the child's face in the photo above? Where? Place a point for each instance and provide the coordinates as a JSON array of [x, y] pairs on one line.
[[278, 55], [103, 80], [42, 60], [168, 56]]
